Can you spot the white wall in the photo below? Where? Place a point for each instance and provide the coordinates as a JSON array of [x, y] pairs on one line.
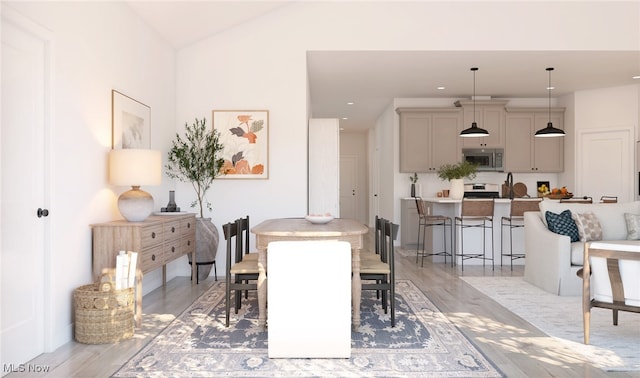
[[97, 47]]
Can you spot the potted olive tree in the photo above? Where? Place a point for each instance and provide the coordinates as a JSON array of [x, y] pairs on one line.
[[196, 159], [456, 173]]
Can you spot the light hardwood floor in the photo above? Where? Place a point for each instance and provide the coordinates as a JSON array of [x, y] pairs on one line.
[[515, 346]]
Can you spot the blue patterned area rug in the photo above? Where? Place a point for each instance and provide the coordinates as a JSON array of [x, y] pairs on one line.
[[423, 343]]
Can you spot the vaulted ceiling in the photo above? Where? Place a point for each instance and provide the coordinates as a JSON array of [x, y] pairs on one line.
[[370, 79]]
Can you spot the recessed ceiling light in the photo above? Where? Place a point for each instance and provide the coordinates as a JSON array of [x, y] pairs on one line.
[[441, 88], [350, 103], [345, 118], [551, 88], [636, 77]]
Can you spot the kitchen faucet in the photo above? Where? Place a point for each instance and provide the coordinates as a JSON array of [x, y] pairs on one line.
[[509, 184]]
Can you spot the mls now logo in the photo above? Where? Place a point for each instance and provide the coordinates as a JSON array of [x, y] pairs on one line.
[[24, 368]]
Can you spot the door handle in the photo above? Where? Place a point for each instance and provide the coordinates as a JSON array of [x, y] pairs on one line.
[[42, 213]]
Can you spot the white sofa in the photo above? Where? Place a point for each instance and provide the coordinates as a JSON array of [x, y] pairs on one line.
[[552, 260]]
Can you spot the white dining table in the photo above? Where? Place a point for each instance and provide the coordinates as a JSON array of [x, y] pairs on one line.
[[283, 229]]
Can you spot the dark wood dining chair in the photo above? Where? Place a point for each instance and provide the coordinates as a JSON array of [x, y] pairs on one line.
[[382, 272], [240, 272], [377, 235], [244, 252], [246, 245]]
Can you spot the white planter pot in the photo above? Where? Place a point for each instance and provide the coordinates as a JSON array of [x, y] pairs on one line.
[[457, 189]]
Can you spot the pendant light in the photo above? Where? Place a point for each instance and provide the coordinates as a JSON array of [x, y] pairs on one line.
[[474, 131], [549, 131]]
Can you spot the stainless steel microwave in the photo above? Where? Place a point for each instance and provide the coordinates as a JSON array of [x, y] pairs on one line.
[[488, 159]]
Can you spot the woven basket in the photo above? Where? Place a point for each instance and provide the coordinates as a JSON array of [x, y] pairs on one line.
[[102, 314]]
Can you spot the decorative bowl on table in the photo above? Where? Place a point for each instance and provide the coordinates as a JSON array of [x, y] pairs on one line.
[[319, 218], [558, 196]]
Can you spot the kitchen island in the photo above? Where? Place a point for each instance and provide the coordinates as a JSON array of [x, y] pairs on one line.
[[451, 208]]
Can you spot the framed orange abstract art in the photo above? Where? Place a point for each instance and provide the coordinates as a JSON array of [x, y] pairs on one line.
[[245, 137]]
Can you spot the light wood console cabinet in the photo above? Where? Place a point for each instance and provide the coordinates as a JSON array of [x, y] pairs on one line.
[[158, 240], [428, 138], [524, 152]]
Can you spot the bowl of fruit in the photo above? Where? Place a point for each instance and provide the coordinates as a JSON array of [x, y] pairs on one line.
[[545, 190], [560, 193]]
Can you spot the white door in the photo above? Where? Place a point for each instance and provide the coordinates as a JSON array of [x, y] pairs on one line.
[[605, 164], [374, 181], [348, 187], [23, 186]]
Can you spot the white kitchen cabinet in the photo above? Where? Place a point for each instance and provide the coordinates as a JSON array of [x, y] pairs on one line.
[[526, 153], [489, 115], [428, 138]]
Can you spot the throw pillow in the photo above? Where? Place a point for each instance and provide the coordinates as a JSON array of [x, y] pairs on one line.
[[588, 226], [633, 226], [563, 224]]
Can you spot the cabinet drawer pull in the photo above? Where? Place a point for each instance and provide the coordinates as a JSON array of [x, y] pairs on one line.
[[153, 235], [173, 249], [189, 225], [173, 229], [153, 257], [188, 242]]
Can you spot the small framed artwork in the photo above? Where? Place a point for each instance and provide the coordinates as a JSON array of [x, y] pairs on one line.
[[130, 122], [245, 137]]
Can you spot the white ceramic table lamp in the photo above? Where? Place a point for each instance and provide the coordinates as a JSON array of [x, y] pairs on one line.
[[135, 167]]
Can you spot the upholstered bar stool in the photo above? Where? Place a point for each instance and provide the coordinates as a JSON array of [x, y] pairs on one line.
[[425, 220], [478, 214], [515, 220]]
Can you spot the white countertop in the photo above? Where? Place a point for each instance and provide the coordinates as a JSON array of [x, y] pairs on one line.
[[450, 200]]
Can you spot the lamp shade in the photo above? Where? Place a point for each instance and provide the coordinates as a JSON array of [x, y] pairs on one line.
[[135, 167]]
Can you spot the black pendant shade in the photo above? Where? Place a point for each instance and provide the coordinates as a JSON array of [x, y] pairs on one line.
[[549, 131], [474, 131]]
